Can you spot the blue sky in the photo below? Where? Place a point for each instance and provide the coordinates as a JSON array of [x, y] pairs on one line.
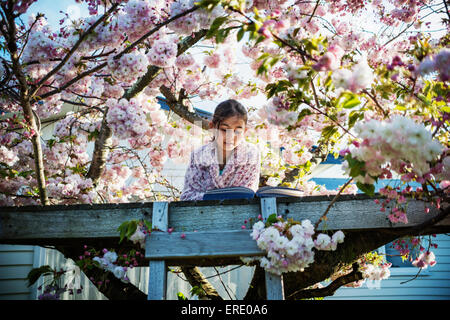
[[52, 8]]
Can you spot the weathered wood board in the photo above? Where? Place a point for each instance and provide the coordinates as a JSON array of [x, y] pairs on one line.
[[200, 244], [58, 224], [157, 280]]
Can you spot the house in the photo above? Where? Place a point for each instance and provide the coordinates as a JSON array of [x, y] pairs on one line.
[[434, 283]]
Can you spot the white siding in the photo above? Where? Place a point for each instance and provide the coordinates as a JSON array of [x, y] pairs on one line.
[[15, 263], [56, 260]]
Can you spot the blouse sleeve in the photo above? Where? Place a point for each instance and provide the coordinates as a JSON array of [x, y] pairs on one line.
[[248, 174], [192, 189]]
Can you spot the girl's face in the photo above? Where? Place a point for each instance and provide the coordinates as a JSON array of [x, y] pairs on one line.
[[230, 133]]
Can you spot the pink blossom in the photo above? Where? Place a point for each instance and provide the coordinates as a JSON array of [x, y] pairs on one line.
[[327, 62], [444, 184], [8, 156], [424, 260], [212, 61]]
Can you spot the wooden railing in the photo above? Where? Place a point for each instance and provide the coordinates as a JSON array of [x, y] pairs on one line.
[[213, 233]]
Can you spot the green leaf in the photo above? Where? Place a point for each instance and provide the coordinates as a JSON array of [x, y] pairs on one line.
[[368, 189], [132, 226], [353, 117], [123, 230], [240, 34], [277, 87], [215, 26], [222, 34], [260, 39], [148, 225], [351, 103], [348, 100], [305, 112], [197, 290], [25, 174], [36, 273], [329, 131], [262, 69], [181, 296], [93, 135], [328, 82], [445, 109], [207, 4], [400, 108], [271, 219], [356, 166], [51, 143]]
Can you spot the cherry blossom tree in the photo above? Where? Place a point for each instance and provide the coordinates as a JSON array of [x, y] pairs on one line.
[[374, 93]]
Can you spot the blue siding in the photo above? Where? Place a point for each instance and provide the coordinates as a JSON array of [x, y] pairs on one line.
[[334, 183], [432, 283]]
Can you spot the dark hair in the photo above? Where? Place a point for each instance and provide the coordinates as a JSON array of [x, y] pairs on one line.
[[227, 109]]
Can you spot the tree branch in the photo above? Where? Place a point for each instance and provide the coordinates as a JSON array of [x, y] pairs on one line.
[[314, 11], [374, 99], [100, 154], [117, 56], [446, 9], [323, 217], [153, 71], [74, 48], [329, 290], [196, 279], [178, 107]]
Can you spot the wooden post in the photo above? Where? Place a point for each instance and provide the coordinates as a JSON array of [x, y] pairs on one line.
[[157, 280], [274, 283]]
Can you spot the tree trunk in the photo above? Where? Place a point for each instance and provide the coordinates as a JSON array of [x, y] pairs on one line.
[[24, 101], [196, 279]]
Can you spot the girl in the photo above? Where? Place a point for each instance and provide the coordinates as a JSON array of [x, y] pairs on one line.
[[226, 161]]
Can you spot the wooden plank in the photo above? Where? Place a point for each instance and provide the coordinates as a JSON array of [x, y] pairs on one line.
[[274, 283], [201, 244], [160, 217], [60, 224], [268, 207], [157, 282], [274, 286], [67, 221]]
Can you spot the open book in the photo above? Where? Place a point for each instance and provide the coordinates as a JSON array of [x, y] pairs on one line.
[[247, 193]]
